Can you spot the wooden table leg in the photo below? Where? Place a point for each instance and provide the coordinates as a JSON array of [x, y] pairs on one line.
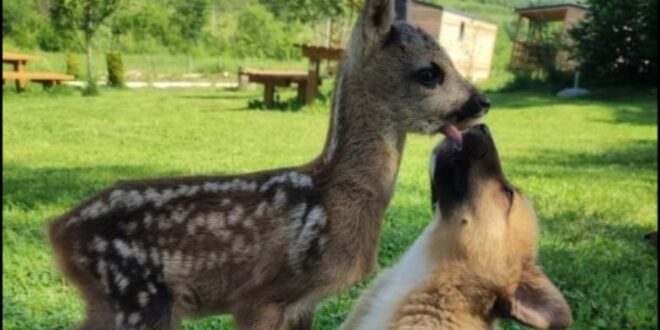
[[302, 88], [19, 66], [312, 81], [269, 93]]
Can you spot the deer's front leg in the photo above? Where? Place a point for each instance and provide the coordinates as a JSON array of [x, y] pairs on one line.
[[268, 317], [303, 320]]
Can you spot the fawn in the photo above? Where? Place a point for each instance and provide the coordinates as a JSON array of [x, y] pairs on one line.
[[475, 263], [267, 246]]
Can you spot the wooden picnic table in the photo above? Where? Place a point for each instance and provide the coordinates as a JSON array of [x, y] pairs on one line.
[[270, 79], [316, 54], [21, 76], [307, 82]]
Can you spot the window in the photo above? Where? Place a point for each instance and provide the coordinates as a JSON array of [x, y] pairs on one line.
[[461, 32]]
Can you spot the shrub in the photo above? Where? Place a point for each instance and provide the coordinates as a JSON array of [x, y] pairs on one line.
[[73, 65], [617, 41], [260, 35], [115, 70]]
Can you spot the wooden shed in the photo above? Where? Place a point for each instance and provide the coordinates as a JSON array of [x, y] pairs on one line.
[[535, 42], [469, 40]]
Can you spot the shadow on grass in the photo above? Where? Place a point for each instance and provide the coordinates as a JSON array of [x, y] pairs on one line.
[[28, 187], [520, 100], [222, 95], [638, 155], [603, 269], [636, 115], [633, 108]]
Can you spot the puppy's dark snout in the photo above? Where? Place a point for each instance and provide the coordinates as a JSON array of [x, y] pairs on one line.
[[484, 129]]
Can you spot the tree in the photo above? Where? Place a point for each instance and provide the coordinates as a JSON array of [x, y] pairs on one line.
[[305, 11], [85, 16], [617, 41]]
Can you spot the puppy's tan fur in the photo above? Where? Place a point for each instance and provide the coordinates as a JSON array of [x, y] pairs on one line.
[[482, 260]]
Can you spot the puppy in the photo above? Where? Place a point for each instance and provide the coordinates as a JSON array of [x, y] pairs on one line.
[[475, 262]]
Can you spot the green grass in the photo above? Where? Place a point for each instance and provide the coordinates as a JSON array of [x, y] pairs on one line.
[[154, 67], [590, 166]]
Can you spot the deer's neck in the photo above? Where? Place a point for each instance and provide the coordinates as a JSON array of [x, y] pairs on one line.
[[358, 168], [361, 149]]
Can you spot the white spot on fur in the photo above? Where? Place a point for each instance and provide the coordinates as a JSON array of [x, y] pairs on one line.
[[122, 248], [94, 210], [235, 215], [315, 222], [248, 223], [155, 256], [238, 245], [139, 253], [296, 179], [143, 298], [152, 195], [99, 245], [119, 320], [212, 187], [298, 211], [71, 221], [182, 190], [121, 281], [134, 318], [102, 270], [212, 260], [273, 180], [179, 215], [165, 196], [151, 288], [192, 191], [223, 234], [261, 210], [279, 200]]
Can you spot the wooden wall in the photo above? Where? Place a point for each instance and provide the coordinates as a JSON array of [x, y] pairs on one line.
[[471, 51]]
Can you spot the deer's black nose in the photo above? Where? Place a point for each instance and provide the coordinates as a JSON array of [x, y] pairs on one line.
[[484, 102]]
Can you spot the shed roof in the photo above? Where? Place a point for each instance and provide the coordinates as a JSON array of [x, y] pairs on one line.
[[549, 12], [452, 10]]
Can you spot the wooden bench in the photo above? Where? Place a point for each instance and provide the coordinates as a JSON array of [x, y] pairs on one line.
[[272, 78], [47, 79], [19, 61]]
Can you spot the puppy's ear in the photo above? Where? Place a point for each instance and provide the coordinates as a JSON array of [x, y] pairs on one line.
[[373, 26], [537, 303]]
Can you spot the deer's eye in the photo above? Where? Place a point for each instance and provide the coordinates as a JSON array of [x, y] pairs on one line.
[[430, 76]]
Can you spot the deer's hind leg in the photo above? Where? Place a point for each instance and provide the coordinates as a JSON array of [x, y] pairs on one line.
[[140, 305]]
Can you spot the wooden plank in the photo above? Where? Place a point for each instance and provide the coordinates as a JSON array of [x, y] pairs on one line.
[[36, 76], [322, 53], [14, 57]]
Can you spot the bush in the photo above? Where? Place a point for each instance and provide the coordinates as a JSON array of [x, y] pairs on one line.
[[260, 35], [73, 65], [115, 70], [617, 42], [91, 89]]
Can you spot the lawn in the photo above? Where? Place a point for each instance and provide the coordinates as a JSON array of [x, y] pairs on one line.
[[590, 166]]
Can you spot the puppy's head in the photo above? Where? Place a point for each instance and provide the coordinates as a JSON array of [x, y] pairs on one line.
[[490, 227]]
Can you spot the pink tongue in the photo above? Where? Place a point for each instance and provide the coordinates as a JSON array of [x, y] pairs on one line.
[[452, 133]]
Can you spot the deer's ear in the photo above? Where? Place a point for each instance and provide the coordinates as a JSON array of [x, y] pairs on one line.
[[375, 23], [536, 302]]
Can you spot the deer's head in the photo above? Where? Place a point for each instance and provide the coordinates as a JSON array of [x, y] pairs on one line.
[[408, 76]]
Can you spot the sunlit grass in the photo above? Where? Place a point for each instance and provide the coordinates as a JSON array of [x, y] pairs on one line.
[[590, 166]]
